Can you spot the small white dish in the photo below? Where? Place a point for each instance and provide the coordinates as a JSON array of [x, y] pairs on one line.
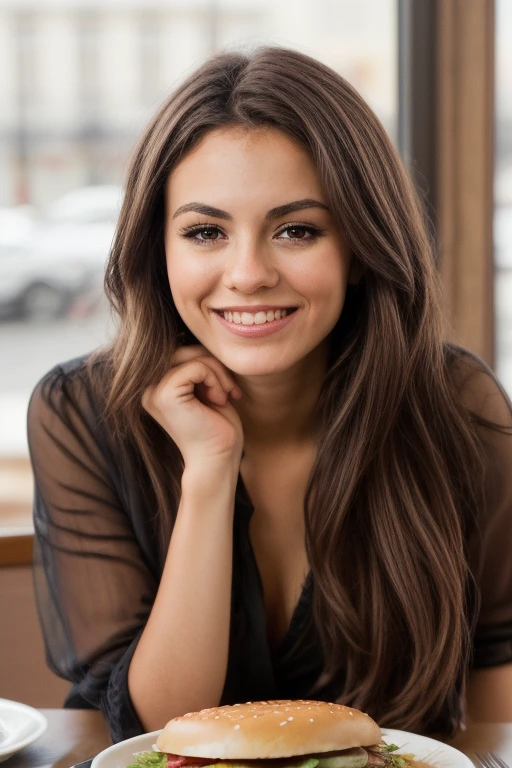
[[20, 725], [423, 748]]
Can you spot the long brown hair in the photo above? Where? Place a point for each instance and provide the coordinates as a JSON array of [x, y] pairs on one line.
[[391, 502]]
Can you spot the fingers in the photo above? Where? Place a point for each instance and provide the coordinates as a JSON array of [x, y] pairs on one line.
[[184, 383], [194, 373], [198, 352], [200, 376]]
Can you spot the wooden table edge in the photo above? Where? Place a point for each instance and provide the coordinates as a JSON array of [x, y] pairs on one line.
[[17, 549]]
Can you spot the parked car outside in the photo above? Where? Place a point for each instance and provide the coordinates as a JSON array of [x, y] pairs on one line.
[[60, 257], [40, 289]]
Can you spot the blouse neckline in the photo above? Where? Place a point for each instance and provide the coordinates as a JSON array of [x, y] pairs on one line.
[[245, 507]]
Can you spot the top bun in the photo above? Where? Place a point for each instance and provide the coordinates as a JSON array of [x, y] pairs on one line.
[[268, 729]]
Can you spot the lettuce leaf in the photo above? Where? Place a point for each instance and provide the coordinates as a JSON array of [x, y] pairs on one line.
[[357, 757], [395, 761], [149, 760]]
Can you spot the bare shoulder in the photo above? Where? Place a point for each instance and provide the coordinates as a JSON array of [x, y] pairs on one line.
[[479, 388]]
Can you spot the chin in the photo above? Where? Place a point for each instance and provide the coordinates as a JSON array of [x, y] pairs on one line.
[[246, 370], [254, 364]]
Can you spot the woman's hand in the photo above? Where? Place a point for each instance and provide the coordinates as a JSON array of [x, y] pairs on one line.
[[191, 403]]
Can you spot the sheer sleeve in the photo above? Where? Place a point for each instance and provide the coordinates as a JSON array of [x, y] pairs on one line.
[[94, 591], [485, 397]]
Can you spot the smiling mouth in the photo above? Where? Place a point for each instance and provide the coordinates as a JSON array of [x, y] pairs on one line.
[[255, 318]]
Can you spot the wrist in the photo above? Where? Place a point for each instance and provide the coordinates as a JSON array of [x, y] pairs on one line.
[[211, 477]]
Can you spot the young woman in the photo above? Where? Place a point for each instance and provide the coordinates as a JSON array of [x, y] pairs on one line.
[[278, 480]]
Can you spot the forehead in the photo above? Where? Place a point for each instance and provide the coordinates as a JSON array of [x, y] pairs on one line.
[[235, 162]]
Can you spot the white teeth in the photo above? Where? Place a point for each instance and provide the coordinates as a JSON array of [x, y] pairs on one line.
[[259, 318]]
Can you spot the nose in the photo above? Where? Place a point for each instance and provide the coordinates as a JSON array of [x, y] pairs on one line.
[[249, 266]]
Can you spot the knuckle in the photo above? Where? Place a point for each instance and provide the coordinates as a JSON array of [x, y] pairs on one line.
[[216, 364], [186, 353]]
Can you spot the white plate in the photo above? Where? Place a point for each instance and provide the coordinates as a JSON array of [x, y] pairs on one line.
[[120, 755], [429, 750], [19, 726]]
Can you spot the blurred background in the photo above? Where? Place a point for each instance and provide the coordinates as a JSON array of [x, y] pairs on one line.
[[79, 79]]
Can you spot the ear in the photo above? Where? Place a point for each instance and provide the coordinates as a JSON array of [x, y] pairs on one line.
[[356, 272]]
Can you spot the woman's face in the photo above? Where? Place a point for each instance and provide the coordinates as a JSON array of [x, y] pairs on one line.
[[249, 232]]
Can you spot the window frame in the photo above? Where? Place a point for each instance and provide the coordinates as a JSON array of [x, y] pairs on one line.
[[446, 136]]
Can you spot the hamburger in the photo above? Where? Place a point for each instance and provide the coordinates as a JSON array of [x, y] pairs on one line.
[[273, 734]]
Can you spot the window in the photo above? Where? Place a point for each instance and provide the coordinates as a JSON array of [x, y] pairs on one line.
[[503, 195], [72, 180]]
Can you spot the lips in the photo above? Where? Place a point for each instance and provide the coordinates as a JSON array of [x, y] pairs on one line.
[[253, 326]]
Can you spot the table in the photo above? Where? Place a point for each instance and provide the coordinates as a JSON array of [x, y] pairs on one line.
[[74, 735]]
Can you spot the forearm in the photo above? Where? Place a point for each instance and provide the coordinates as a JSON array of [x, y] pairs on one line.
[[181, 660]]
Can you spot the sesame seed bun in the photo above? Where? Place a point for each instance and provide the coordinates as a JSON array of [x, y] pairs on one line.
[[268, 729]]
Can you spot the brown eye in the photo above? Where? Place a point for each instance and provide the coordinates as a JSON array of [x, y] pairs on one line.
[[300, 232], [201, 235], [209, 233]]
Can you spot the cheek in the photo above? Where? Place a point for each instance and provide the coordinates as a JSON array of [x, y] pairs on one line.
[[326, 283], [189, 281]]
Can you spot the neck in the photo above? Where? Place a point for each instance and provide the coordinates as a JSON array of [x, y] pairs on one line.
[[279, 409]]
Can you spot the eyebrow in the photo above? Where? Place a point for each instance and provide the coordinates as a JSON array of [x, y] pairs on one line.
[[274, 213]]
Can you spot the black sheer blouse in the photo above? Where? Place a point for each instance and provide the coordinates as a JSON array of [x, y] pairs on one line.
[[97, 562]]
